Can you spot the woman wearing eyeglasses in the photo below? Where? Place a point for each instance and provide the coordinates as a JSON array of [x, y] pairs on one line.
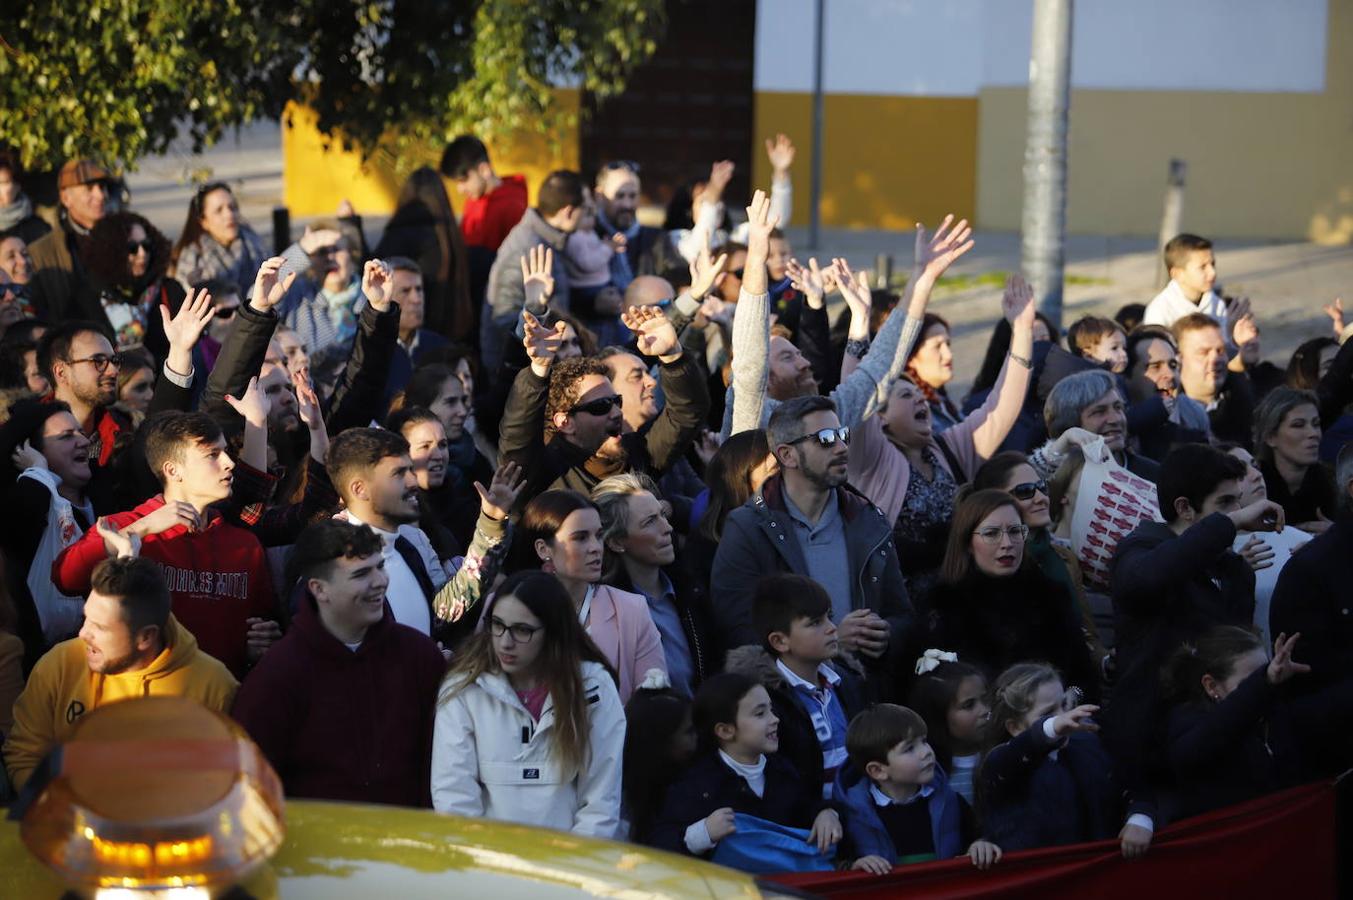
[[1010, 472], [560, 531], [992, 605], [529, 726], [127, 259]]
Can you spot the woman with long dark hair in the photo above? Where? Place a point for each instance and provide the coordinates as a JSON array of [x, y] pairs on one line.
[[529, 727], [127, 260], [216, 242], [424, 229], [1287, 444]]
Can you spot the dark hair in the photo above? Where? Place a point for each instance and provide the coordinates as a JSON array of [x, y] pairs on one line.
[[30, 415], [567, 647], [729, 476], [969, 513], [168, 435], [995, 472], [9, 159], [219, 287], [139, 586], [1303, 369], [1143, 333], [404, 264], [1130, 315], [929, 321], [998, 345], [325, 540], [192, 228], [1214, 653], [1180, 246], [559, 190], [1193, 471], [781, 600], [134, 360], [565, 377], [877, 730], [1086, 332], [787, 421], [359, 450], [931, 696], [652, 719], [1012, 698], [1192, 322], [544, 516], [55, 344], [463, 154], [1269, 415], [405, 416], [106, 256], [716, 703], [424, 386]]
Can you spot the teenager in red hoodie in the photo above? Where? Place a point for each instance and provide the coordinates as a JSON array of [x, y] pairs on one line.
[[343, 706], [493, 204], [216, 571]]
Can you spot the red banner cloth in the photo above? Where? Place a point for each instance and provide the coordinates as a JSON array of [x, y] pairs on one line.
[[1279, 846]]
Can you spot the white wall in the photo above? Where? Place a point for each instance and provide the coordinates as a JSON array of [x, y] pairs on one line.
[[955, 47]]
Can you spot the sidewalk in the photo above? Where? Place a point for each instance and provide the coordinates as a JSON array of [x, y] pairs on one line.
[[1288, 282]]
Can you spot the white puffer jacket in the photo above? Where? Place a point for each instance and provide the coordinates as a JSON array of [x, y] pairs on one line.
[[490, 759]]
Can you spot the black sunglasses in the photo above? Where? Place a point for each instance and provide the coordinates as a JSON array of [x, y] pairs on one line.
[[1026, 490], [737, 273], [133, 246], [826, 437], [599, 407]]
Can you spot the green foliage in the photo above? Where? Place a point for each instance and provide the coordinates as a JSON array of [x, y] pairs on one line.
[[119, 79]]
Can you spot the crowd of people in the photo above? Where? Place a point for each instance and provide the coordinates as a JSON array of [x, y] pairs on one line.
[[547, 515]]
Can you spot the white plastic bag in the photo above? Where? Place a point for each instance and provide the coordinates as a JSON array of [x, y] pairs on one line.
[[1110, 503], [61, 615]]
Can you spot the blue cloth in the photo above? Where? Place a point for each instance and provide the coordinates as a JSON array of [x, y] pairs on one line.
[[866, 830], [824, 551], [828, 717], [675, 648], [764, 848]]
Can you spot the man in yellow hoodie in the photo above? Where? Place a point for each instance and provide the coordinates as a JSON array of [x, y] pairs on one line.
[[130, 646]]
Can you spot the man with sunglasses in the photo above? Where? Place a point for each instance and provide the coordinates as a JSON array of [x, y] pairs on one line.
[[343, 704], [648, 250], [808, 521]]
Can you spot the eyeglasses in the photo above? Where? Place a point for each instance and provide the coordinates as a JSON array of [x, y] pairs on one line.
[[521, 634], [826, 437], [1027, 490], [225, 313], [133, 246], [993, 535], [100, 362], [600, 406], [737, 273]]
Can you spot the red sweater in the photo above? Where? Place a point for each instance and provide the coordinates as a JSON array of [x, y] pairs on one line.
[[486, 220], [339, 724], [217, 577]]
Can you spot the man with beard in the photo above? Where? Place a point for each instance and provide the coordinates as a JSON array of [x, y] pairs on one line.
[[1160, 416], [564, 422], [130, 646], [348, 676], [1089, 401], [807, 521], [216, 571], [1226, 395], [648, 250], [372, 470]]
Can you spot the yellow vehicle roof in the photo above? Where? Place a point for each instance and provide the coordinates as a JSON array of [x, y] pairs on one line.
[[339, 850]]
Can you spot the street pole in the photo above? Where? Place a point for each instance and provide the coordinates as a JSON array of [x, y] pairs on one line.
[[1043, 249], [1172, 218], [815, 188]]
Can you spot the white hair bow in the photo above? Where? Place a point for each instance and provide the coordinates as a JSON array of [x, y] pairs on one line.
[[927, 661]]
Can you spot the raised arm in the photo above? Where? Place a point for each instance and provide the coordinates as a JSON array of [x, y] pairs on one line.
[[360, 392], [751, 322], [780, 152], [683, 383], [246, 345], [1003, 404]]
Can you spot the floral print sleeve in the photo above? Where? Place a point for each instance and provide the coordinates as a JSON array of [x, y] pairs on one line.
[[476, 571]]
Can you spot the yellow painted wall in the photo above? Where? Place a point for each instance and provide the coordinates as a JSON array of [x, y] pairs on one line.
[[888, 161], [1260, 165], [316, 178]]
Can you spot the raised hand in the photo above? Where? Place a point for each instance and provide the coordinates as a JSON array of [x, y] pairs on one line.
[[537, 275], [1078, 719], [1282, 666], [268, 288], [936, 253], [497, 501], [1017, 303], [253, 406], [378, 284], [653, 332], [703, 271], [542, 344], [1335, 311], [760, 223], [854, 287], [1236, 312], [307, 401], [117, 543], [317, 238], [807, 281], [25, 457], [719, 175], [780, 151], [186, 326], [707, 446]]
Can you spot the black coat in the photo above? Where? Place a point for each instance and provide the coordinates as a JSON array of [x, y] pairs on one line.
[[1232, 418], [1314, 596], [710, 785], [697, 619], [1314, 496]]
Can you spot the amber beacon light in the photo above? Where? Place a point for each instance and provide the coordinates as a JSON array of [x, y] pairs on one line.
[[156, 796]]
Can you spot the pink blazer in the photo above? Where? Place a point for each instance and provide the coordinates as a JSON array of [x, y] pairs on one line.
[[620, 625]]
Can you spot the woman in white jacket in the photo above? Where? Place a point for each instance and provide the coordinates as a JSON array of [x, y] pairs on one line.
[[529, 725]]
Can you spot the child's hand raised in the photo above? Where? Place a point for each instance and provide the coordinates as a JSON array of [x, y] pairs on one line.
[[719, 824], [984, 854], [1078, 719], [826, 830], [874, 865]]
